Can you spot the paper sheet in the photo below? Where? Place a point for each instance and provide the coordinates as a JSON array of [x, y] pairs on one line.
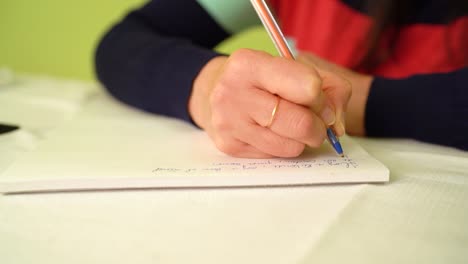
[[110, 146]]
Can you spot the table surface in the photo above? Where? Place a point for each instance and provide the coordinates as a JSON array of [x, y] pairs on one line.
[[420, 216]]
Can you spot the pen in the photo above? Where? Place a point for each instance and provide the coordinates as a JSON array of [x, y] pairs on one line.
[[4, 128], [284, 50]]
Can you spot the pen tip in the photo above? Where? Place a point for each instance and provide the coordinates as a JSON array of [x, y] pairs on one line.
[[342, 155]]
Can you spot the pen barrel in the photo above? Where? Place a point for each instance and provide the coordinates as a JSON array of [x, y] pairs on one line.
[[273, 29], [276, 35]]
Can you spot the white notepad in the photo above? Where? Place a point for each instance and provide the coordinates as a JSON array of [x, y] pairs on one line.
[[110, 146]]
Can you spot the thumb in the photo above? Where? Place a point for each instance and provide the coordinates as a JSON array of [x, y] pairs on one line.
[[337, 92]]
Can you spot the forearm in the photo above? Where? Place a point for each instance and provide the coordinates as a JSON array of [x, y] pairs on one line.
[[431, 108], [150, 60]]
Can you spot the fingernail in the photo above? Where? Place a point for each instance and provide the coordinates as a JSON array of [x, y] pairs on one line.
[[328, 116], [340, 129], [343, 122]]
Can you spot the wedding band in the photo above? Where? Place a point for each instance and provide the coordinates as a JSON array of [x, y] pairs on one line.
[[273, 113]]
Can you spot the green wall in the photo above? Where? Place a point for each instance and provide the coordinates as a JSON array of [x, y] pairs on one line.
[[58, 37], [55, 37]]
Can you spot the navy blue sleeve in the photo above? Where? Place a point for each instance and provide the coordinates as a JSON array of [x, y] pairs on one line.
[[431, 108], [151, 58]]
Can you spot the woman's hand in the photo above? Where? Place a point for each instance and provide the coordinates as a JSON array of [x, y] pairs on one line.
[[360, 84], [233, 100]]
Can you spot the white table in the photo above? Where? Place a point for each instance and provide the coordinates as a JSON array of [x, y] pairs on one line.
[[421, 216]]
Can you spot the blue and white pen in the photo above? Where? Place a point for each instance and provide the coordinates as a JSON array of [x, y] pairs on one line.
[[284, 50]]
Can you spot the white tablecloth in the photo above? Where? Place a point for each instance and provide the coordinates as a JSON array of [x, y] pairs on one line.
[[421, 216]]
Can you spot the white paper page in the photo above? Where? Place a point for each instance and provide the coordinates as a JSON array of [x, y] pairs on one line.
[[109, 146]]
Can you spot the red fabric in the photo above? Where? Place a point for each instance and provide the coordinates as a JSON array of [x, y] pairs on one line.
[[334, 31]]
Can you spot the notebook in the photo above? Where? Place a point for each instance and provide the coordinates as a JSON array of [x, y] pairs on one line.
[[110, 146]]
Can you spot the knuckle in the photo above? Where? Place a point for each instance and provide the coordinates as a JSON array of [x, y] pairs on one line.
[[303, 125], [220, 96], [317, 140], [222, 145], [227, 147], [305, 129], [286, 148], [242, 54], [314, 84], [239, 60], [233, 69], [220, 122], [294, 149]]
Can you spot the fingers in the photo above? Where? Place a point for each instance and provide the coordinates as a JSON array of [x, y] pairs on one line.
[[245, 92], [254, 141], [326, 93], [338, 93], [235, 134], [299, 123], [268, 142], [239, 149], [337, 89], [290, 121], [288, 79]]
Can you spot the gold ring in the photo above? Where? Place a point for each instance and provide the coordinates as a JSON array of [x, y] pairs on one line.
[[273, 113]]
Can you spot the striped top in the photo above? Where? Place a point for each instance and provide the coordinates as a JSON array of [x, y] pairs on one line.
[[150, 59]]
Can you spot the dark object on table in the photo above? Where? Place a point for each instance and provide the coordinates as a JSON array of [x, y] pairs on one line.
[[4, 128]]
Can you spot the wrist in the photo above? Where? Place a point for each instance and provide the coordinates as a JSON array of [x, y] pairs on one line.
[[203, 84]]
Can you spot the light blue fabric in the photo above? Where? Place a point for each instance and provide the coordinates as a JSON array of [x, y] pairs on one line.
[[233, 15]]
